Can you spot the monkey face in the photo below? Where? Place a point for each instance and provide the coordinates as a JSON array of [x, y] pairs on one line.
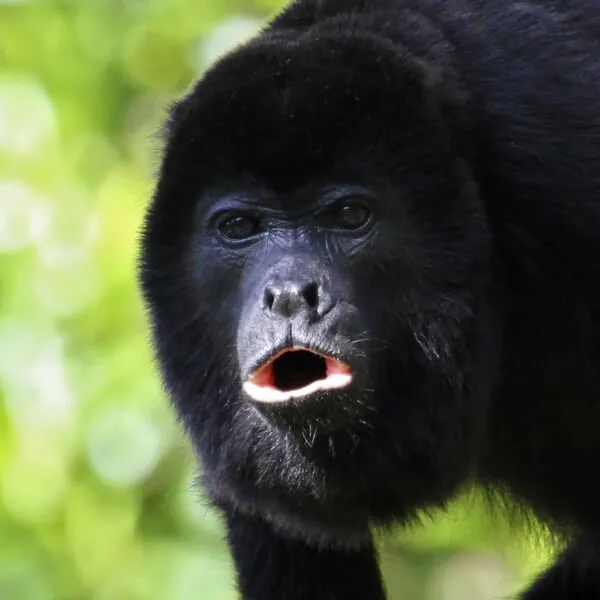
[[316, 265]]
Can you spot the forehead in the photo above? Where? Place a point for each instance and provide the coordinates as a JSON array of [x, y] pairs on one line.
[[286, 114]]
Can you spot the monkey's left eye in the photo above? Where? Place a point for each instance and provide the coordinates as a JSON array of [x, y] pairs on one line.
[[238, 227], [349, 215]]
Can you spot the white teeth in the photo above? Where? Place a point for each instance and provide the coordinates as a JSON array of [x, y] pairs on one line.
[[271, 394]]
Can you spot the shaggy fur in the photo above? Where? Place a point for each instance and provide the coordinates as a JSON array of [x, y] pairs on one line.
[[468, 306]]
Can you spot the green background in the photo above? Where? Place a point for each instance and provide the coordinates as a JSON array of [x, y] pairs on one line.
[[96, 497]]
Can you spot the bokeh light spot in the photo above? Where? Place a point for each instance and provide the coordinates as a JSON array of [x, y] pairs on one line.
[[27, 116], [25, 215], [124, 446], [223, 38]]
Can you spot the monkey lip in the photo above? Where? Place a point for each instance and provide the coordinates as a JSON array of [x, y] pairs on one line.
[[296, 372]]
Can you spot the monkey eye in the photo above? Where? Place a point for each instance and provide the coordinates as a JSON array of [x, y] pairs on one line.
[[238, 227], [349, 214]]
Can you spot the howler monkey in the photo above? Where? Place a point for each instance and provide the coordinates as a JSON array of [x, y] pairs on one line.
[[372, 267]]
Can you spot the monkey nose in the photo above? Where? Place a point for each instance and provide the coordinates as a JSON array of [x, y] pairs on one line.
[[290, 299]]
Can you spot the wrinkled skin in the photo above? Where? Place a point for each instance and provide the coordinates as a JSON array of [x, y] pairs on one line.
[[411, 192]]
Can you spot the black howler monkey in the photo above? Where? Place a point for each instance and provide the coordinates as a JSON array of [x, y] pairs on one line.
[[372, 267]]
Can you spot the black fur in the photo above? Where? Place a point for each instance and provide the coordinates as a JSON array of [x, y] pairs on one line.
[[468, 306]]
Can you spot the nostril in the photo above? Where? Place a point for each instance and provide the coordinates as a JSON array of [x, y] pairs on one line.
[[269, 299], [311, 295], [291, 298]]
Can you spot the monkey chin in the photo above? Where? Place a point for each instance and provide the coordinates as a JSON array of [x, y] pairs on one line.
[[296, 373]]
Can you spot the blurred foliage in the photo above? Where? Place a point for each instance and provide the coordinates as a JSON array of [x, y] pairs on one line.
[[96, 494]]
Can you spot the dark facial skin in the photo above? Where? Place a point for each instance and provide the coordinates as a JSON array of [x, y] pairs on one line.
[[336, 201]]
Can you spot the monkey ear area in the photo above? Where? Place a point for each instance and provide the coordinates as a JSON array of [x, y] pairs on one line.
[[296, 373]]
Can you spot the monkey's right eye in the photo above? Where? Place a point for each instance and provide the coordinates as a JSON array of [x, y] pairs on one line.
[[238, 227]]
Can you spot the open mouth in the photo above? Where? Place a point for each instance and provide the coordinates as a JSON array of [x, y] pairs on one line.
[[294, 373]]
